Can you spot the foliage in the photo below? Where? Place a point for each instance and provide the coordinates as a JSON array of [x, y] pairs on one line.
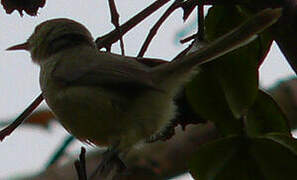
[[29, 6], [256, 141]]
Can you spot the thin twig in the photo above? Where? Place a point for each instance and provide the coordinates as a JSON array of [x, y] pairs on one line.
[[158, 24], [201, 34], [113, 13], [19, 120], [80, 165], [115, 21], [200, 14], [110, 38], [189, 38], [184, 52], [188, 7]]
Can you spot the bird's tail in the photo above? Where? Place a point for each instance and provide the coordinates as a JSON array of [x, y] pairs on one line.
[[178, 70]]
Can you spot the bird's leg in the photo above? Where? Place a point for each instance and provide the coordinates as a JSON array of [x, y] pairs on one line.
[[110, 158], [165, 133]]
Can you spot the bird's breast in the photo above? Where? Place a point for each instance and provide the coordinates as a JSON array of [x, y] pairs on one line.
[[101, 116], [89, 113]]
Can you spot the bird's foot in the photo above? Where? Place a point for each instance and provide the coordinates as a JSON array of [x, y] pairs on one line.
[[110, 162]]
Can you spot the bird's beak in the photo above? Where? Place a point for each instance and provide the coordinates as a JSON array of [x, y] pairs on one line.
[[24, 46]]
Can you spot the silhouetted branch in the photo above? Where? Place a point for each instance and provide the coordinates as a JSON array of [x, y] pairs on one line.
[[110, 38], [115, 21], [80, 165], [201, 35], [10, 128], [158, 24]]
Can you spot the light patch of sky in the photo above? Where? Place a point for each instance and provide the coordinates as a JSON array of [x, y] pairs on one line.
[[27, 149], [274, 68], [183, 177]]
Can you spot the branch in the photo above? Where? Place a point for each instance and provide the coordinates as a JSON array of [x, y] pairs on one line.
[[115, 35], [201, 25], [155, 28], [10, 128], [115, 21], [80, 165]]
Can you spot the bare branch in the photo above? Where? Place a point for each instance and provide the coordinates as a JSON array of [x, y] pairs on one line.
[[158, 24], [10, 128], [115, 21], [201, 35], [187, 39], [110, 38], [80, 165]]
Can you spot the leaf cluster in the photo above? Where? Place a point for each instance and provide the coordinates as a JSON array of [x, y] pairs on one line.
[[255, 142]]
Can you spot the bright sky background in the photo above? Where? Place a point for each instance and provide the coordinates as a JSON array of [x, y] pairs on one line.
[[26, 150]]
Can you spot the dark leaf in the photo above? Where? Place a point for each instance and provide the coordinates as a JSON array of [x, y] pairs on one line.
[[284, 139], [207, 99], [237, 72], [224, 159], [265, 116], [275, 161], [285, 94], [271, 157], [29, 6]]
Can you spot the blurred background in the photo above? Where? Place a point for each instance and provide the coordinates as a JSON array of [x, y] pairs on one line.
[[28, 149]]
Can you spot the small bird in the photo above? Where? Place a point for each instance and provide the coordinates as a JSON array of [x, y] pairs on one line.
[[108, 99]]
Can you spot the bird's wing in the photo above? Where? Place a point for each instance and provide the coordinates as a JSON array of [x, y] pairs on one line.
[[89, 68]]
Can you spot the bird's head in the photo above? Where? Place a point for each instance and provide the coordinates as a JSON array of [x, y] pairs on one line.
[[53, 36]]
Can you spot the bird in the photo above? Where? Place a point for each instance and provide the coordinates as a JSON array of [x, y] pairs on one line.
[[112, 100]]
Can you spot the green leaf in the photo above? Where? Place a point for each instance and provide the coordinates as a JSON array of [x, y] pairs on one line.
[[272, 157], [225, 159], [207, 99], [284, 139], [226, 88], [211, 158], [221, 19], [274, 160], [237, 71], [265, 116]]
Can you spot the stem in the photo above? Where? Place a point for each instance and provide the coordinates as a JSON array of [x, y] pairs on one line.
[[115, 35], [158, 24], [115, 21], [10, 128]]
